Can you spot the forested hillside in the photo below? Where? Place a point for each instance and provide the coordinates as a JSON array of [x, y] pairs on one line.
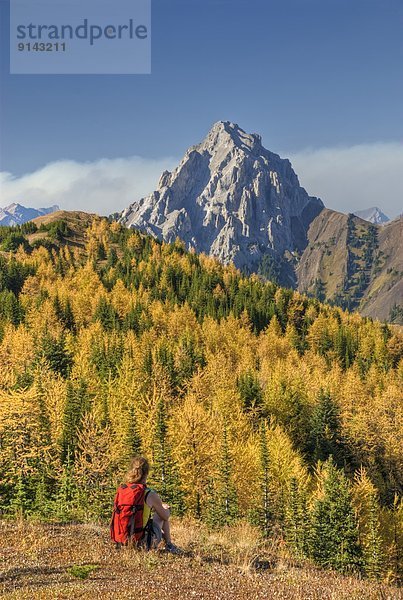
[[251, 400], [355, 264]]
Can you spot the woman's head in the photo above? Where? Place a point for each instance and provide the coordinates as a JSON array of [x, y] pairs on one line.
[[138, 470]]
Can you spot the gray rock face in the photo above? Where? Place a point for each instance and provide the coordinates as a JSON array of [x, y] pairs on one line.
[[229, 198]]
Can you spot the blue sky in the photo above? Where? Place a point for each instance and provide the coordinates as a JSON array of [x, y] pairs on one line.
[[308, 75]]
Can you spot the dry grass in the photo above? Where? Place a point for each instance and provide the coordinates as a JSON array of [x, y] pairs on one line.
[[78, 561]]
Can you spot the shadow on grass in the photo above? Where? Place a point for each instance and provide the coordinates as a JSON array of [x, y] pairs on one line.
[[17, 578], [18, 572]]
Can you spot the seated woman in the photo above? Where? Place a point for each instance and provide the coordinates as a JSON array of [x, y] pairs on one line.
[[139, 515]]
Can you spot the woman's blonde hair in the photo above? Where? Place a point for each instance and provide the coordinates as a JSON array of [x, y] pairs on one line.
[[139, 468]]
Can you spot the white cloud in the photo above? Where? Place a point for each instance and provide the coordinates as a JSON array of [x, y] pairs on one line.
[[354, 178], [346, 179], [104, 186]]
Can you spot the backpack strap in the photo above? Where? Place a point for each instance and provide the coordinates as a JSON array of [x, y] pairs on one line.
[[149, 528], [114, 512]]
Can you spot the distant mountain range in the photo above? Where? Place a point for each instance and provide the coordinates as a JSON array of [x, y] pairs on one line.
[[373, 215], [16, 214], [231, 198]]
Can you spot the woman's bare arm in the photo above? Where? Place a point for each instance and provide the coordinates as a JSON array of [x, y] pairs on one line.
[[162, 509]]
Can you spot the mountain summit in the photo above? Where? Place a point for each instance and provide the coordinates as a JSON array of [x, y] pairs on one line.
[[16, 214], [373, 215], [230, 198]]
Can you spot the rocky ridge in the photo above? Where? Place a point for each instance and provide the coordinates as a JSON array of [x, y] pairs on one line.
[[233, 199], [230, 198]]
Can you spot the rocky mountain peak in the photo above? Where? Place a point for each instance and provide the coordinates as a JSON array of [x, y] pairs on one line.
[[231, 198], [16, 214], [373, 215], [227, 134]]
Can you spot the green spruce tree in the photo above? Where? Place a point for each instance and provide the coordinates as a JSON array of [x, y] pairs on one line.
[[20, 502], [68, 317], [66, 493], [265, 512], [296, 519], [76, 405], [165, 476], [223, 502], [133, 439], [333, 528], [251, 394], [325, 437]]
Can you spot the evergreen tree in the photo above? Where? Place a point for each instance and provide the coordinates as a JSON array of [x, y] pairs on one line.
[[334, 534], [10, 308], [42, 504], [20, 502], [112, 258], [166, 359], [57, 306], [133, 439], [325, 436], [54, 351], [189, 357], [296, 519], [106, 315], [265, 512], [66, 493], [106, 355], [132, 320], [226, 487], [165, 476], [223, 505], [251, 394], [101, 252], [76, 404], [68, 317]]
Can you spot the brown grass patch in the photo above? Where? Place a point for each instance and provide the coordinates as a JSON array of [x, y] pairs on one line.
[[42, 561]]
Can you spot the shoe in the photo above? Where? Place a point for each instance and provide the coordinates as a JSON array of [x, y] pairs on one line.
[[172, 549]]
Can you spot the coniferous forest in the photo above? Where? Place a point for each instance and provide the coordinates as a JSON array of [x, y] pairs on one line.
[[251, 401]]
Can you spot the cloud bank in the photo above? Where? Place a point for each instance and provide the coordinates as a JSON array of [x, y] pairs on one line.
[[354, 178], [347, 179], [104, 186]]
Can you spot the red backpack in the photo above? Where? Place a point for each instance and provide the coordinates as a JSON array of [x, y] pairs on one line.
[[127, 516]]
